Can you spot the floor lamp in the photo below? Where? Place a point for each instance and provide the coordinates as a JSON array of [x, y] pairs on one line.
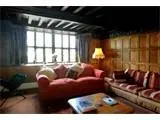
[[98, 54]]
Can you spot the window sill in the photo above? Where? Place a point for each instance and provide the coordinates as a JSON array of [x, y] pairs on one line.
[[49, 64]]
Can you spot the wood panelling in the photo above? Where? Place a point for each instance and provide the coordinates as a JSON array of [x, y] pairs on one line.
[[138, 51]]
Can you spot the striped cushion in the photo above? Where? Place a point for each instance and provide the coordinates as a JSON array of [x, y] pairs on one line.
[[146, 93], [134, 89], [139, 77], [129, 73], [154, 80], [155, 96], [123, 85]]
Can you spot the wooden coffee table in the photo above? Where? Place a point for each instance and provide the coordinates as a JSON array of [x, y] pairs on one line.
[[102, 107]]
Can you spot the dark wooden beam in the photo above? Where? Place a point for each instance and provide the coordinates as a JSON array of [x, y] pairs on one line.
[[78, 9], [93, 10], [64, 8], [53, 14]]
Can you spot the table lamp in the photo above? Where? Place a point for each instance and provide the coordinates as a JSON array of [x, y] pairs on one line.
[[98, 54]]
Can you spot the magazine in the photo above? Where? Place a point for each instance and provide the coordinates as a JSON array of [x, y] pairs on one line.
[[85, 105], [109, 101]]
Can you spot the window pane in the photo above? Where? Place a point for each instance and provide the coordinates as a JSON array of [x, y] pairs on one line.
[[31, 55], [58, 40], [59, 55], [65, 41], [48, 39], [65, 55], [30, 38], [72, 55], [39, 55], [39, 39], [48, 54], [72, 41]]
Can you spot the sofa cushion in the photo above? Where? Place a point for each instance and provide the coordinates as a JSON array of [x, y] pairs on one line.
[[154, 80], [71, 74], [134, 89], [60, 71], [76, 67], [155, 96], [129, 73], [88, 79], [146, 93], [88, 70], [139, 77], [123, 85], [49, 72]]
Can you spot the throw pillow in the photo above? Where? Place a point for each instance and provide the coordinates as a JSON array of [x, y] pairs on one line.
[[76, 67], [60, 70], [49, 72], [71, 74]]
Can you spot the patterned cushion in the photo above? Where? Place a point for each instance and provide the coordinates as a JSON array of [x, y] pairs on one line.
[[49, 72], [123, 85], [146, 93], [60, 71], [129, 73], [154, 80], [139, 77], [71, 74], [155, 96], [134, 89]]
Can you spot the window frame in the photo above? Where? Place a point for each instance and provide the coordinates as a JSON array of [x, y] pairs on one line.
[[52, 32]]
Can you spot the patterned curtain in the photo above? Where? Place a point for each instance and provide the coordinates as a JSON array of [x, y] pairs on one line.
[[83, 47], [13, 49]]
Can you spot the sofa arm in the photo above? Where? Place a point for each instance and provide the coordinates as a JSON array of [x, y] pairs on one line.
[[43, 81], [99, 73]]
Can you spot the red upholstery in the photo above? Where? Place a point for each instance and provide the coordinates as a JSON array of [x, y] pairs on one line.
[[88, 70], [155, 96], [66, 87], [154, 80]]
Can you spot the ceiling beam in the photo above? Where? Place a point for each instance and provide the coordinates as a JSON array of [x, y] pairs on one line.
[[50, 22], [78, 9], [56, 14], [93, 10], [74, 27], [64, 8], [30, 20], [60, 23], [40, 22], [68, 25]]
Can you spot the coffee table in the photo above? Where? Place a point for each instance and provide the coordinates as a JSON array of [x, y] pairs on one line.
[[102, 107]]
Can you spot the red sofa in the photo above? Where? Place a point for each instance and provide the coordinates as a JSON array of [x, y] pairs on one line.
[[91, 80]]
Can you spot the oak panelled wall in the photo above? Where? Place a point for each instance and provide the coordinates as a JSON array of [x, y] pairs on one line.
[[138, 51]]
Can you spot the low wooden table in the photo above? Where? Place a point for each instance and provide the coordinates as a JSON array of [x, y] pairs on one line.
[[102, 107]]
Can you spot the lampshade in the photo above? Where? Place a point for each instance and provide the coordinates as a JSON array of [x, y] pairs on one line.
[[98, 54]]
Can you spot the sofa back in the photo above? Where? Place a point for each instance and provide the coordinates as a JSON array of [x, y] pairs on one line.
[[88, 70], [140, 78], [150, 80], [154, 80]]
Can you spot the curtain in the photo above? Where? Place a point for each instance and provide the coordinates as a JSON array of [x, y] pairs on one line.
[[13, 44], [83, 47]]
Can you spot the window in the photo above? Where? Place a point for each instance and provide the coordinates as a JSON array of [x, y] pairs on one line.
[[42, 44]]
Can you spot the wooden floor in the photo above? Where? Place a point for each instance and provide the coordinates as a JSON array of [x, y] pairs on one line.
[[31, 105]]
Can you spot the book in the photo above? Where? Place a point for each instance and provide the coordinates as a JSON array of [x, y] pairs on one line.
[[110, 101], [85, 105]]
